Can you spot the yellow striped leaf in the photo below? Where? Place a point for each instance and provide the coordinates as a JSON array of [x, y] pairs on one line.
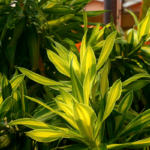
[[85, 118], [59, 63], [143, 27], [137, 123], [137, 144], [86, 87], [47, 135], [77, 89], [15, 81], [106, 50], [134, 78], [94, 34], [113, 96], [104, 80], [37, 78], [5, 107], [17, 100], [6, 88], [89, 62], [83, 47], [123, 108], [76, 65], [31, 123]]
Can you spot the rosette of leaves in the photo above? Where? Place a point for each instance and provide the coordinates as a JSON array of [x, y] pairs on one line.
[[130, 56], [94, 115]]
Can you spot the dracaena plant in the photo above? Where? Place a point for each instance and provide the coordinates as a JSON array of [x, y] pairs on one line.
[[130, 56], [95, 115]]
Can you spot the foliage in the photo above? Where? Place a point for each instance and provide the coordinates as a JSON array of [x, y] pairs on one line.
[[90, 97], [93, 114], [25, 24]]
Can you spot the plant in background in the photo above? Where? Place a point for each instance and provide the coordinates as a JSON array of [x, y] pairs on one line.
[[12, 105], [95, 115], [25, 25]]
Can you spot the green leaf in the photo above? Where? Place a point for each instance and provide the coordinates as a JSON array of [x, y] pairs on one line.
[[134, 78], [137, 123], [135, 85], [143, 27], [130, 40], [5, 107], [23, 91], [76, 65], [37, 78], [31, 123], [58, 9], [87, 88], [19, 28], [47, 135], [83, 47], [104, 83], [77, 89], [17, 100], [61, 20], [113, 96], [85, 118], [134, 16], [124, 105], [1, 98], [106, 50], [99, 126], [78, 2], [138, 46], [5, 87], [137, 144], [88, 63], [59, 63], [15, 81], [94, 34], [92, 13]]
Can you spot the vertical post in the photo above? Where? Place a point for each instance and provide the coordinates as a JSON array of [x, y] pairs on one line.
[[107, 15], [110, 5]]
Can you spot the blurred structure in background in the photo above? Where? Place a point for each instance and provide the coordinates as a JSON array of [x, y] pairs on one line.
[[116, 7]]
